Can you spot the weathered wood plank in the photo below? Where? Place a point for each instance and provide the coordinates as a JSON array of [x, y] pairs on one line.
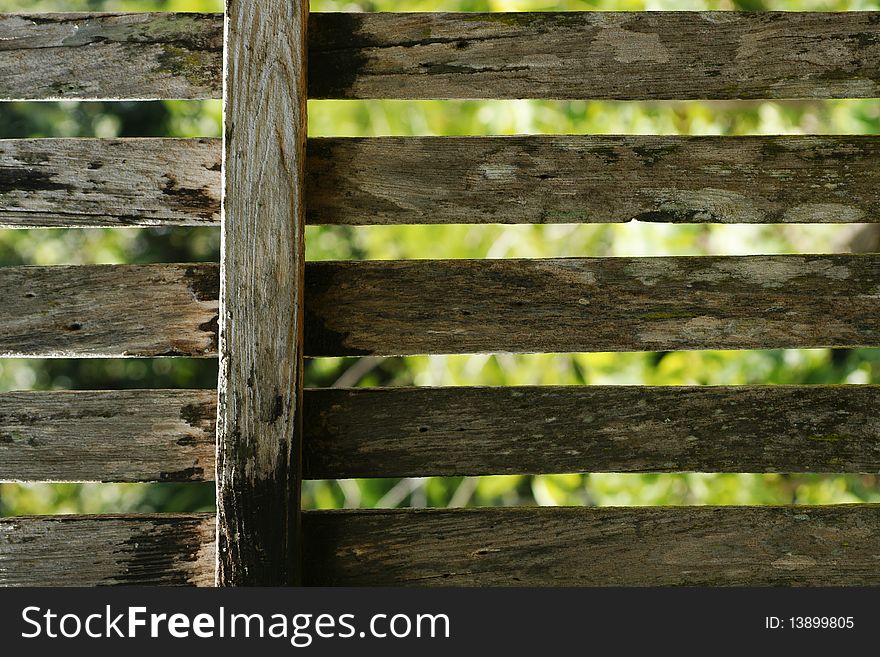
[[107, 435], [653, 546], [396, 180], [259, 421], [602, 55], [109, 310], [136, 56], [416, 432], [168, 435], [631, 55], [168, 550], [109, 182], [591, 304], [574, 179]]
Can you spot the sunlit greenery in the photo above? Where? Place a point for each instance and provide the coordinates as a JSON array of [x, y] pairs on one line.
[[369, 118]]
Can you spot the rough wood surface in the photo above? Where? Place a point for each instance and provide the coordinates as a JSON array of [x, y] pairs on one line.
[[629, 55], [259, 421], [109, 310], [415, 432], [107, 435], [396, 180], [109, 182], [591, 304], [168, 550], [574, 179], [653, 546], [138, 56]]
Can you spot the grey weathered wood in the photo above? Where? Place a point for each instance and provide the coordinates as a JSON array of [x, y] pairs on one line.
[[109, 182], [415, 432], [110, 56], [391, 180], [591, 304], [653, 546], [259, 421], [107, 435], [573, 179], [168, 550], [109, 310], [629, 55]]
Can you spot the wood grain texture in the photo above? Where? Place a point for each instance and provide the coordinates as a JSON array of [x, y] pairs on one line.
[[107, 435], [168, 550], [93, 56], [109, 182], [416, 432], [601, 55], [575, 179], [631, 55], [397, 180], [109, 311], [591, 304], [259, 421], [653, 546]]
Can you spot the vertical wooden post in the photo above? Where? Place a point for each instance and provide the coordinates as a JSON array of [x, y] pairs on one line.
[[259, 389]]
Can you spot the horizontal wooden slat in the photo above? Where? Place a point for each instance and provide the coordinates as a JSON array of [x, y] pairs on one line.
[[655, 546], [108, 435], [109, 310], [397, 180], [415, 432], [168, 435], [138, 56], [461, 306], [109, 182], [629, 55], [591, 304], [169, 550], [573, 179]]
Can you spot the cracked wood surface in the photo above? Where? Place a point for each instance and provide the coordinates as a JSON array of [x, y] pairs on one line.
[[574, 179], [418, 432], [168, 435], [109, 182], [560, 546], [107, 435], [577, 55], [595, 55], [411, 307], [166, 549], [566, 546], [109, 311], [259, 408], [134, 56], [397, 180]]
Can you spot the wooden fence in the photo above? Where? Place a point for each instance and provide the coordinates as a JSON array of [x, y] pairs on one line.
[[264, 309]]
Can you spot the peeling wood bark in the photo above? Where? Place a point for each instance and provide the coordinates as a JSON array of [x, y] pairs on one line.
[[591, 304], [168, 550], [113, 435], [598, 55], [653, 546], [589, 179], [109, 311], [109, 182], [418, 432], [259, 419], [94, 56]]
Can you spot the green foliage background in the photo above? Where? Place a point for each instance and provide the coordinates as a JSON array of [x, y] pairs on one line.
[[368, 118]]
